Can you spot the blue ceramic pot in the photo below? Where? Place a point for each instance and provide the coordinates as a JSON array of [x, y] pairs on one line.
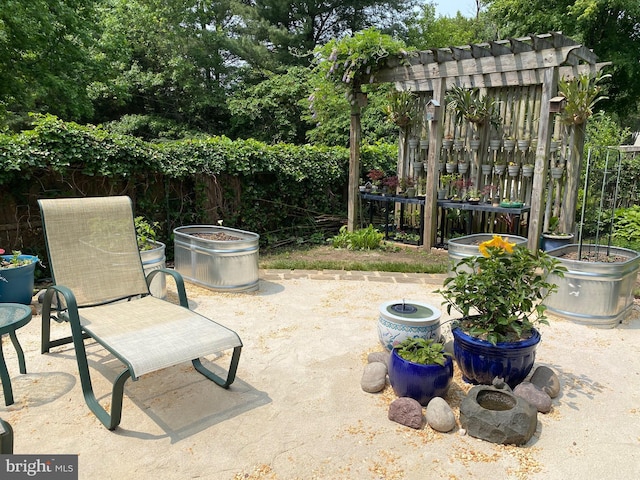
[[551, 242], [480, 361], [418, 381], [16, 283]]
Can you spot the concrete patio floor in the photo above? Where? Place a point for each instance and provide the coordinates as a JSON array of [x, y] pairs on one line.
[[296, 410]]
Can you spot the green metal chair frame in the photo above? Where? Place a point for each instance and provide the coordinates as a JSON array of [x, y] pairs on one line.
[[98, 313]]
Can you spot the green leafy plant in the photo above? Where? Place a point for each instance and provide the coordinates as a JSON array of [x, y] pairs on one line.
[[627, 227], [468, 104], [403, 108], [423, 351], [13, 260], [582, 94], [500, 292], [145, 233], [364, 239], [353, 61]]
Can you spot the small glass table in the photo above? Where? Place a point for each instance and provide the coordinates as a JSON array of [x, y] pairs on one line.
[[12, 317]]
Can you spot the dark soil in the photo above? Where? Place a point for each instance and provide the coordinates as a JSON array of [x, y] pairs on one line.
[[593, 257], [219, 236]]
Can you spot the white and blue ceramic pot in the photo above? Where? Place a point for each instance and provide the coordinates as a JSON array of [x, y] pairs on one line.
[[418, 381], [480, 361], [402, 319]]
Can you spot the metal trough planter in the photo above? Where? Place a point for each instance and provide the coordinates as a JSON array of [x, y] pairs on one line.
[[154, 259], [468, 246], [219, 258], [594, 293]]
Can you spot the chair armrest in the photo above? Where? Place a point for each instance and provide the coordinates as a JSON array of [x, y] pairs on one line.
[[177, 277], [70, 311]]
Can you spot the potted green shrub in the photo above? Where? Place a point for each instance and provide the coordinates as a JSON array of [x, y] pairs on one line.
[[16, 277], [420, 368], [499, 294], [553, 238]]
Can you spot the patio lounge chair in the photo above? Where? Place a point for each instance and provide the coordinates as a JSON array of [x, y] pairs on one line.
[[101, 290]]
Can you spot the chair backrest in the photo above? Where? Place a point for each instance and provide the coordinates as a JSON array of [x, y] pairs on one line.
[[92, 247]]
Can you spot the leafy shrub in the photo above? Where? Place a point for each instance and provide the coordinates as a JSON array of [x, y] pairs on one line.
[[364, 239], [627, 227]]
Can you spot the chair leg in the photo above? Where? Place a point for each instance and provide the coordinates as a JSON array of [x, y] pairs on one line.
[[231, 374], [111, 421]]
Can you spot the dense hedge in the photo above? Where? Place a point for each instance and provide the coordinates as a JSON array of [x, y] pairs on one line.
[[269, 189]]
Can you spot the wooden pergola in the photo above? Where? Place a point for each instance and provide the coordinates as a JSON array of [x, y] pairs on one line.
[[522, 75]]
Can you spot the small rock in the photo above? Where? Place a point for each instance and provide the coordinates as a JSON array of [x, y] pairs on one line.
[[40, 296], [440, 417], [379, 357], [546, 380], [374, 377], [448, 347], [500, 384], [406, 411], [532, 394]]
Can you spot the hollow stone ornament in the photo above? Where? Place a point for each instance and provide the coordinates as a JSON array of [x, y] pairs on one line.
[[497, 416]]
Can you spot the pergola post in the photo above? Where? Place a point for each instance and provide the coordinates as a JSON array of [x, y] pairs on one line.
[[435, 144], [355, 133], [545, 129]]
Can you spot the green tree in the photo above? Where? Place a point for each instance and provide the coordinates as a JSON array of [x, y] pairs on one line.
[[610, 27], [272, 110], [45, 59], [294, 28], [425, 30], [170, 58]]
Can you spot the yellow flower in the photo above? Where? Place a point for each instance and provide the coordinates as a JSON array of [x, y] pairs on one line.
[[496, 242]]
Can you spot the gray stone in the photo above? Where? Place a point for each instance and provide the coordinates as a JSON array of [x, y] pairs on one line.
[[406, 411], [379, 357], [374, 377], [497, 416], [546, 380], [500, 384], [440, 417], [448, 347], [532, 394]]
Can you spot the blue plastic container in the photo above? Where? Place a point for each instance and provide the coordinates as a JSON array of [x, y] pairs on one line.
[[480, 361], [418, 381], [16, 283]]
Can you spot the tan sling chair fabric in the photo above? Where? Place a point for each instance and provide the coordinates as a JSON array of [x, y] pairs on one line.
[[100, 282]]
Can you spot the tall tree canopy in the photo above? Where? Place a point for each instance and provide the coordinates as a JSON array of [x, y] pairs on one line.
[[45, 57], [298, 26], [610, 27], [425, 30]]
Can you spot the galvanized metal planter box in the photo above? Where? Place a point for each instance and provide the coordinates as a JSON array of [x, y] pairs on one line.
[[594, 293], [468, 246], [154, 259], [220, 258]]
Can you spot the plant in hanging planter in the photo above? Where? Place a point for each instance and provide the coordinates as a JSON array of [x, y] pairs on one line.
[[582, 94], [499, 295], [468, 104], [420, 368]]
